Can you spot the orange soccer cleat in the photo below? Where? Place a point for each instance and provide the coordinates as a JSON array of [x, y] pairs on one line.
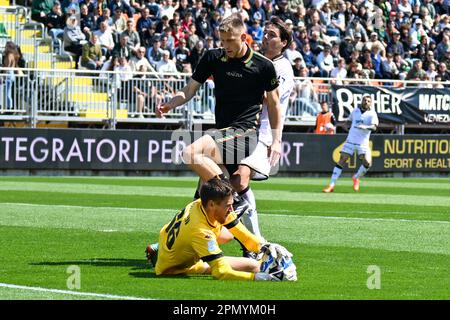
[[328, 189], [355, 184]]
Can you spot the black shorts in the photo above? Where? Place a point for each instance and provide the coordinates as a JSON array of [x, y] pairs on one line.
[[235, 145]]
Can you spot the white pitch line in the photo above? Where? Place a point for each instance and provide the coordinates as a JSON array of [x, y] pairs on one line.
[[74, 293], [260, 213]]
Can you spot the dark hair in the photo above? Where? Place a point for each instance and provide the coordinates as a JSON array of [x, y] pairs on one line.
[[285, 32], [215, 190]]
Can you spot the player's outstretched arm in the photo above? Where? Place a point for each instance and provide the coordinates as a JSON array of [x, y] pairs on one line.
[[274, 111], [180, 98]]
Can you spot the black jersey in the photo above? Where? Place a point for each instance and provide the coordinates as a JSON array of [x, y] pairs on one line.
[[239, 86]]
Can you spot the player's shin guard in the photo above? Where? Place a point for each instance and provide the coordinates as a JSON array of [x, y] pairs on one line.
[[335, 175], [361, 171]]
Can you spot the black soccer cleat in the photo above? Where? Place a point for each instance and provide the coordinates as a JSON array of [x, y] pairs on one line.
[[151, 252]]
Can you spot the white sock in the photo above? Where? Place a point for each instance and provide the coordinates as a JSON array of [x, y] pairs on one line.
[[336, 174], [250, 219], [250, 197], [361, 172]]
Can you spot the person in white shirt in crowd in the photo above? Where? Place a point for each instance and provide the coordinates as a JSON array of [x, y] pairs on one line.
[[339, 72], [325, 61], [105, 39], [291, 53], [166, 65], [364, 120]]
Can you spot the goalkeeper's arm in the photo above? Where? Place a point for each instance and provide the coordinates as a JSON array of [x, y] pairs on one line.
[[241, 233]]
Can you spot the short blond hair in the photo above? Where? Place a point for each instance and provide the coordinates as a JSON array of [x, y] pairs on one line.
[[231, 23]]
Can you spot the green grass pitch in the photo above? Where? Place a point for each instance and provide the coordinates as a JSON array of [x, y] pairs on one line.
[[102, 225]]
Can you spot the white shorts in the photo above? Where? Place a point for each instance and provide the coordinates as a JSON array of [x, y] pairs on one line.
[[350, 148], [259, 162]]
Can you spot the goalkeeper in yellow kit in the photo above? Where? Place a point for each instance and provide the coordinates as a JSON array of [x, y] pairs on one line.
[[189, 244]]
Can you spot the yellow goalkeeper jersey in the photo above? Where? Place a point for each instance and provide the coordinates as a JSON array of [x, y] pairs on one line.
[[191, 239]]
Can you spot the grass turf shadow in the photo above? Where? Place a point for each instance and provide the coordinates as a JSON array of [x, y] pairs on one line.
[[100, 262]]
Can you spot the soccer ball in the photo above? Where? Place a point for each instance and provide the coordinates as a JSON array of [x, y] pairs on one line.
[[281, 267]]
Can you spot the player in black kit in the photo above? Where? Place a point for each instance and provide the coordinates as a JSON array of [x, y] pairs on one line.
[[243, 78]]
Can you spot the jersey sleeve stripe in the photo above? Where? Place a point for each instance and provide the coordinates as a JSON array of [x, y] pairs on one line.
[[212, 257], [232, 224]]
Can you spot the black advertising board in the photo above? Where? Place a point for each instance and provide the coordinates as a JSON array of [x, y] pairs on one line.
[[80, 149], [396, 105]]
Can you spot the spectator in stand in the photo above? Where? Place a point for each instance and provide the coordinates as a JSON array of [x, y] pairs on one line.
[[215, 20], [402, 66], [87, 21], [268, 9], [239, 8], [377, 62], [166, 65], [139, 63], [203, 27], [12, 58], [429, 58], [256, 31], [106, 16], [155, 53], [367, 64], [187, 21], [346, 48], [257, 12], [177, 34], [396, 46], [183, 8], [74, 38], [405, 7], [192, 37], [165, 44], [431, 71], [356, 30], [56, 23], [298, 65], [134, 42], [338, 21], [339, 73], [122, 4], [119, 23], [105, 39], [210, 44], [196, 53], [92, 58], [325, 62], [155, 9], [443, 72], [182, 57], [441, 48], [175, 20], [40, 9], [416, 72], [375, 41], [357, 43], [291, 53], [282, 11], [122, 48], [162, 24], [167, 9], [144, 22], [389, 68], [309, 59]]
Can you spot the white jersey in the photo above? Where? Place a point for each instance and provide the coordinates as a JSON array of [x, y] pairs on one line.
[[285, 76], [360, 136]]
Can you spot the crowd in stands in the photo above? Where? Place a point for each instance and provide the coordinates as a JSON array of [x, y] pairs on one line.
[[359, 39], [401, 39]]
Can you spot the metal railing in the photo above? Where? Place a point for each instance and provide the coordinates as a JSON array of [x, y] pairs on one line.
[[34, 95]]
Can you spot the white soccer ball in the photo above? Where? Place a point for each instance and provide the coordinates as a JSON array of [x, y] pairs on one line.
[[281, 267]]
